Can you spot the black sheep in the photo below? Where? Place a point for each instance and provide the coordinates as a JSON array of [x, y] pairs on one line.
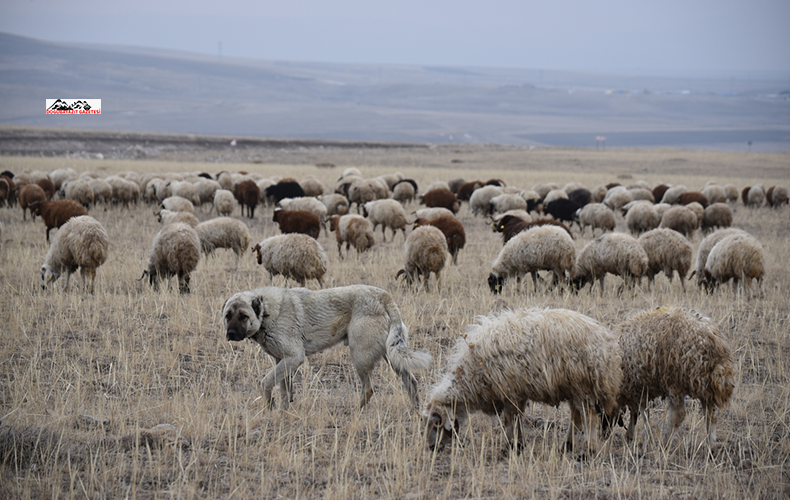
[[581, 196], [286, 189], [562, 209]]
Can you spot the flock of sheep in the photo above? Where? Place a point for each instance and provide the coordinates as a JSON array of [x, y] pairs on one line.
[[506, 359]]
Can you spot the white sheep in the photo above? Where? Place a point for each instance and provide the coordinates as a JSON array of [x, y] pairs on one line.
[[432, 213], [521, 214], [540, 248], [615, 253], [478, 202], [295, 256], [206, 188], [389, 213], [543, 355], [731, 190], [82, 243], [714, 193], [404, 192], [717, 215], [641, 194], [554, 194], [223, 232], [667, 251], [224, 202], [311, 186], [168, 217], [617, 197], [680, 218], [672, 195], [425, 252], [595, 215], [506, 202], [641, 216], [674, 353], [79, 190], [756, 196], [543, 189], [706, 246], [336, 204], [102, 191], [177, 204], [736, 257], [174, 252]]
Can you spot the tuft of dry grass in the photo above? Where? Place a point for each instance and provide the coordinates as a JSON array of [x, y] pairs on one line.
[[139, 358]]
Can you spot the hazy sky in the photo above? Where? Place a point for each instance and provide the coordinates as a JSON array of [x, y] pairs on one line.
[[609, 35]]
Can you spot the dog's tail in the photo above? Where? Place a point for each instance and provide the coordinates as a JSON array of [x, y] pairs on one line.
[[398, 352]]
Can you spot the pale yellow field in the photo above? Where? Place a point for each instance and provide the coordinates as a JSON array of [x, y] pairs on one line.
[[140, 357]]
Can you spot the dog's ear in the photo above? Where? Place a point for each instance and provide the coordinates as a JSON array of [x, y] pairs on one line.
[[257, 306]]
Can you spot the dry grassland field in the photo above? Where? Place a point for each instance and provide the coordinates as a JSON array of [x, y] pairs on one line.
[[84, 375]]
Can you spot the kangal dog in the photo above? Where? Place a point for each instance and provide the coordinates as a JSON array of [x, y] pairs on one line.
[[290, 324]]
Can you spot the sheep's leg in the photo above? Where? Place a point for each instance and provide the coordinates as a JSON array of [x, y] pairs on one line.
[[601, 280], [282, 375], [634, 416], [710, 424], [66, 283], [575, 423], [513, 430], [535, 280], [677, 413], [591, 426], [454, 254]]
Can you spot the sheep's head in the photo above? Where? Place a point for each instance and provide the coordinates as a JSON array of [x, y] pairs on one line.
[[48, 275], [440, 425], [495, 283], [257, 249]]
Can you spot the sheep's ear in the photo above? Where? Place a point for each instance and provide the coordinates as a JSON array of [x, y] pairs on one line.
[[257, 306]]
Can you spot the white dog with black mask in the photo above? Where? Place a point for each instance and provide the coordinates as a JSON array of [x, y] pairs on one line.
[[291, 324]]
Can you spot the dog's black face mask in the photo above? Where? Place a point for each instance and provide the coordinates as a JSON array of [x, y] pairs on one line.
[[242, 320]]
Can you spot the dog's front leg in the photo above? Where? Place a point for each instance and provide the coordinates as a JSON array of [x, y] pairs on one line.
[[282, 375]]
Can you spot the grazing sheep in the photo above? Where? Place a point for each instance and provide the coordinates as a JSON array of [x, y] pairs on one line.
[[659, 191], [47, 186], [102, 191], [478, 202], [504, 202], [311, 186], [404, 191], [615, 253], [30, 194], [455, 184], [286, 188], [672, 195], [389, 213], [122, 190], [698, 211], [667, 251], [598, 193], [175, 252], [441, 198], [295, 256], [307, 203], [224, 202], [263, 185], [82, 243], [510, 226], [352, 229], [433, 213], [223, 232], [717, 215], [543, 189], [617, 197], [56, 213], [521, 214], [177, 204], [360, 192], [693, 196], [532, 199], [581, 196], [706, 246], [680, 218], [642, 194], [555, 194], [509, 359], [641, 216], [779, 196], [6, 190], [714, 193], [248, 195], [756, 196], [736, 257], [298, 221], [465, 190], [167, 217], [61, 175], [562, 210], [595, 215], [540, 248], [336, 204], [425, 252], [745, 195], [661, 208], [206, 189], [732, 193], [380, 188], [453, 232], [674, 353]]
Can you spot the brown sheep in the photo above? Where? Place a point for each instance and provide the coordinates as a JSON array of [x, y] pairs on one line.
[[511, 225], [745, 195], [47, 186], [28, 194], [248, 195], [298, 221], [443, 198], [5, 191], [769, 196], [658, 191], [465, 190], [693, 196], [352, 229], [453, 231], [56, 213]]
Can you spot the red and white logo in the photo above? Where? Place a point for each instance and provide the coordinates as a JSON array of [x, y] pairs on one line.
[[73, 106]]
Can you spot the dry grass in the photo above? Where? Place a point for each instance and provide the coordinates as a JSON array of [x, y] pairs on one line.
[[139, 357]]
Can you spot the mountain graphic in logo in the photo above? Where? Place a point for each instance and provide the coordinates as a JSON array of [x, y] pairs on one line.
[[61, 105]]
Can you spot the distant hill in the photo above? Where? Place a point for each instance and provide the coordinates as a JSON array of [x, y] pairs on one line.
[[166, 91]]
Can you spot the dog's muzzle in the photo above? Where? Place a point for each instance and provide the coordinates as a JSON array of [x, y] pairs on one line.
[[235, 335]]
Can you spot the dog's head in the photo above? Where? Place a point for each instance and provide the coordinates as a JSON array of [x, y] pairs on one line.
[[440, 425], [242, 316]]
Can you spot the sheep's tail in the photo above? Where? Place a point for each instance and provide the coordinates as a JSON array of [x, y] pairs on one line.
[[400, 356]]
